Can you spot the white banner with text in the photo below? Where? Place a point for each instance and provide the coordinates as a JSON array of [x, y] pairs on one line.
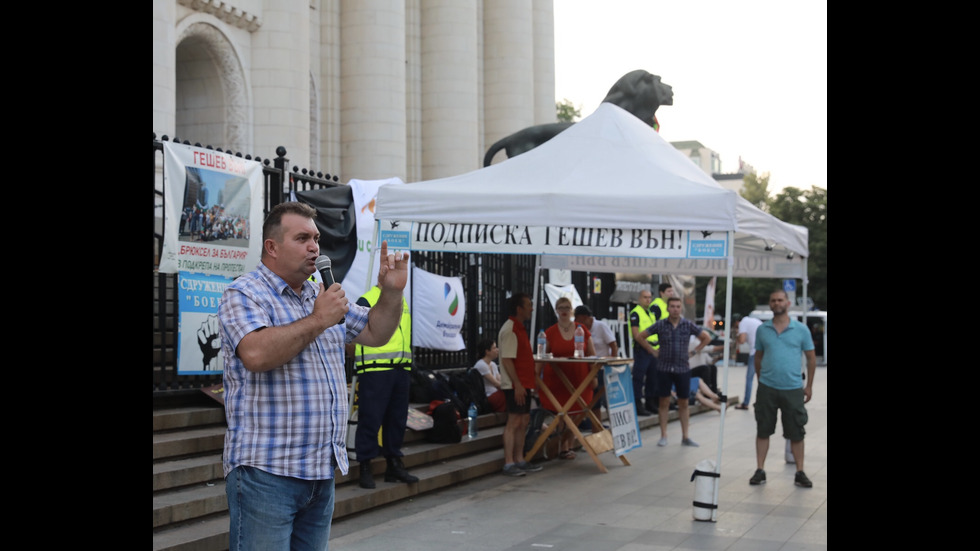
[[213, 212], [560, 240]]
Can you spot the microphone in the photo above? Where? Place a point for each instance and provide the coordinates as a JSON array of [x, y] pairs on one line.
[[323, 265], [326, 274]]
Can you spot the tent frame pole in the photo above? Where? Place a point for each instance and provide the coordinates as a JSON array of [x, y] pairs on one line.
[[534, 300], [725, 363]]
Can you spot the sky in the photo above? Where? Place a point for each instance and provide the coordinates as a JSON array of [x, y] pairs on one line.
[[749, 77]]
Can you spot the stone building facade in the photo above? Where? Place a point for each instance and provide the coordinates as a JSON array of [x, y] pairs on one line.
[[366, 89]]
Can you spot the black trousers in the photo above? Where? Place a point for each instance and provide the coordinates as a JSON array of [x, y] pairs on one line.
[[382, 403]]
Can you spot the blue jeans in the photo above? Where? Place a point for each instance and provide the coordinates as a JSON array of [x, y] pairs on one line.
[[271, 513], [749, 377]]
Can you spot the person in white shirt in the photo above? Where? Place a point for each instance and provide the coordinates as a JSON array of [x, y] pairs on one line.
[[747, 327], [603, 337], [487, 348]]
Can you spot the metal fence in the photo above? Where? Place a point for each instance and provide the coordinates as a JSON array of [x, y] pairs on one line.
[[488, 279]]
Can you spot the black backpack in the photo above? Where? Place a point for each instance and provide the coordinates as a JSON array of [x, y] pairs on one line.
[[445, 424], [540, 416], [420, 388], [468, 386], [428, 385]]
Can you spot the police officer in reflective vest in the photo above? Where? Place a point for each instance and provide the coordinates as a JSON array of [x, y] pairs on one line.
[[383, 380], [642, 360]]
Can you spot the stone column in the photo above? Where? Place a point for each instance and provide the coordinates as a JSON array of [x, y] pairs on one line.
[[508, 54], [330, 86], [281, 80], [164, 68], [544, 62], [373, 89], [413, 91], [450, 143]]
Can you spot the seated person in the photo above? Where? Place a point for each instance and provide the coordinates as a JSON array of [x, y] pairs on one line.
[[706, 397], [700, 393], [487, 348], [561, 344], [703, 363]]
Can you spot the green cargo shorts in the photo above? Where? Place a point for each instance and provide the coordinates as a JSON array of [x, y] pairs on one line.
[[790, 402]]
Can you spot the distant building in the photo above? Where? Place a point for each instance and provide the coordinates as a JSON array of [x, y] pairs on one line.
[[710, 162], [733, 181], [706, 159]]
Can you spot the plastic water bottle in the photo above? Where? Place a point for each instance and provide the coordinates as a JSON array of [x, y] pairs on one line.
[[471, 416], [542, 343], [579, 342]]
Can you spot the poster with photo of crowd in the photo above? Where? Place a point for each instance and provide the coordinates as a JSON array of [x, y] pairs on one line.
[[212, 234]]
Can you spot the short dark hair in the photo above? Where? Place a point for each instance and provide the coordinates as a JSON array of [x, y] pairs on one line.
[[582, 310], [484, 346], [673, 299], [273, 222], [515, 301], [664, 286]]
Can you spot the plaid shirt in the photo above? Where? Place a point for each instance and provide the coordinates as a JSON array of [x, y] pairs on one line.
[[674, 344], [291, 420]]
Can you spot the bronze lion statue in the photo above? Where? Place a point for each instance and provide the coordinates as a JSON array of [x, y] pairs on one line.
[[638, 92]]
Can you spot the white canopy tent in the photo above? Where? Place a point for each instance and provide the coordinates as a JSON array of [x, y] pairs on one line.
[[607, 180], [610, 171], [606, 195]]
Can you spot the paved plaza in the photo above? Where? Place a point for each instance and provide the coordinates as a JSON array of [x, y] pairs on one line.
[[646, 506]]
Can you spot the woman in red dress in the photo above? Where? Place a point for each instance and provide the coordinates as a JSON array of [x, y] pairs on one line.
[[561, 344]]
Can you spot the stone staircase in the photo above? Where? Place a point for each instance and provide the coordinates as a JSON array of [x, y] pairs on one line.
[[190, 510]]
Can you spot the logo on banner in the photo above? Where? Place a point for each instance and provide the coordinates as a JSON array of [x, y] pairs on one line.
[[454, 305], [396, 239], [705, 247], [438, 307]]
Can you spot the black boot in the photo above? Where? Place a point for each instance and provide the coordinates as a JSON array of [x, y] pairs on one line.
[[367, 481], [396, 471]]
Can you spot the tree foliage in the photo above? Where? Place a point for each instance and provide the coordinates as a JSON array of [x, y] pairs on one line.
[[808, 209], [567, 112], [755, 189]]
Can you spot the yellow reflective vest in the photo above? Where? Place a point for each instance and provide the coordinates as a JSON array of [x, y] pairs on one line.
[[662, 304], [646, 320], [396, 353]]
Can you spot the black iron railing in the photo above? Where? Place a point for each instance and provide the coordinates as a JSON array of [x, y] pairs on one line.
[[487, 278]]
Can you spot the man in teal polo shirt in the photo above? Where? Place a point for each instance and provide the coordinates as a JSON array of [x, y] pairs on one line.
[[779, 344]]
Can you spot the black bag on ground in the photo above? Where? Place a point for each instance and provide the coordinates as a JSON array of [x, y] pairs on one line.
[[476, 383], [420, 387], [445, 423], [539, 418], [468, 386], [428, 385]]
